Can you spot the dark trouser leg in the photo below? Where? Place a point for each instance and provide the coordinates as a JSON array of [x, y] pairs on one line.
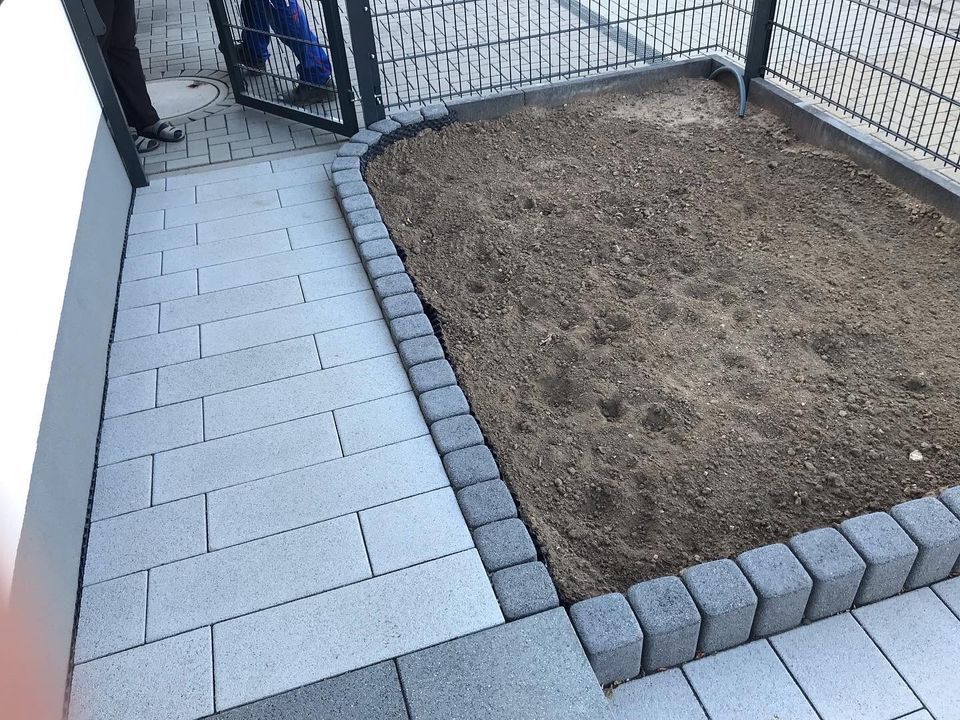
[[120, 50]]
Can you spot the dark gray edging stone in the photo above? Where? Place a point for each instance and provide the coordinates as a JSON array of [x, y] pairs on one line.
[[717, 604]]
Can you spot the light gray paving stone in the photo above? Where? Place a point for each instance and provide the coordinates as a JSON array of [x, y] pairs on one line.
[[137, 322], [371, 693], [835, 567], [409, 327], [486, 502], [381, 267], [344, 176], [371, 232], [397, 306], [352, 149], [144, 539], [662, 696], [259, 170], [747, 682], [164, 200], [246, 456], [949, 592], [319, 156], [670, 621], [887, 550], [234, 302], [230, 207], [407, 117], [157, 289], [610, 635], [431, 375], [318, 233], [504, 543], [130, 393], [145, 222], [153, 351], [524, 590], [356, 203], [531, 669], [215, 253], [936, 532], [333, 282], [951, 498], [367, 216], [357, 342], [470, 465], [345, 163], [442, 403], [278, 265], [141, 266], [395, 284], [284, 217], [726, 602], [435, 112], [376, 249], [319, 492], [351, 627], [289, 322], [311, 192], [158, 240], [842, 672], [172, 678], [313, 393], [920, 637], [260, 183], [918, 715], [782, 586], [456, 433], [150, 431], [380, 422], [231, 582], [122, 487], [414, 530], [368, 137], [385, 126], [420, 350], [112, 615], [231, 371]]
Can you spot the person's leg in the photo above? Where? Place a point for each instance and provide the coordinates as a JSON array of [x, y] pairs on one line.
[[289, 19], [255, 37]]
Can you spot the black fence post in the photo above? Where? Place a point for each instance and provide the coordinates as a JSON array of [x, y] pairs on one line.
[[365, 56], [758, 41]]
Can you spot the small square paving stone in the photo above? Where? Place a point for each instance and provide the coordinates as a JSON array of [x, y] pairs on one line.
[[611, 636], [420, 350], [661, 696], [504, 543], [345, 163], [470, 465], [835, 567], [443, 403], [385, 126], [112, 617], [486, 502], [397, 306], [356, 203], [531, 669], [669, 619], [726, 602], [888, 551], [371, 693], [367, 136], [435, 112], [376, 249], [348, 190], [431, 375], [936, 531], [396, 284], [364, 217], [352, 149], [347, 176], [524, 590], [951, 498], [408, 117], [782, 586], [371, 232], [382, 267], [410, 326], [456, 433]]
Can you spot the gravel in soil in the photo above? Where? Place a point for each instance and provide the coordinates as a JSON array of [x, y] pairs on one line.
[[685, 334]]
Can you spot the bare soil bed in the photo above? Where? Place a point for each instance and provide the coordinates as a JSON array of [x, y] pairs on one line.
[[685, 334]]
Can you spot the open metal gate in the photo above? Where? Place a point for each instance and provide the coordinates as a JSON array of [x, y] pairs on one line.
[[288, 58]]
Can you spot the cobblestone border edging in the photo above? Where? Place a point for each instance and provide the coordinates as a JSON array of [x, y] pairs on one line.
[[669, 620]]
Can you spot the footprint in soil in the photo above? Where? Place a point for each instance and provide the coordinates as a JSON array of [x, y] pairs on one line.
[[612, 408], [657, 418]]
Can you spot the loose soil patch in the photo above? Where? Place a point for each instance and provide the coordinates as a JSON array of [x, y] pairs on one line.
[[685, 334]]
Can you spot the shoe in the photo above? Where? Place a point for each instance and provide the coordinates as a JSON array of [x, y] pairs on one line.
[[304, 94], [253, 66]]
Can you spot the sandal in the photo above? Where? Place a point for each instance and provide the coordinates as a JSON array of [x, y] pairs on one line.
[[164, 131], [145, 144]]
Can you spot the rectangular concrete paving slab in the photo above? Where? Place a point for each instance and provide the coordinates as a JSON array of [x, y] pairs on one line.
[[344, 485], [842, 672], [214, 253], [122, 487], [157, 289], [357, 342], [141, 266], [267, 220], [168, 679], [153, 351], [949, 593], [379, 422], [747, 682], [150, 431], [159, 240], [351, 627], [921, 638], [112, 616], [530, 669], [137, 322], [233, 302], [278, 265], [661, 696], [131, 393], [335, 281]]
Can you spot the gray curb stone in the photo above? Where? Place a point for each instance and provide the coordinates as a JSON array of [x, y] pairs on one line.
[[836, 569], [470, 466], [456, 433], [396, 284], [411, 326], [670, 621], [435, 112], [367, 136], [347, 190], [370, 233], [431, 375], [345, 163], [398, 306], [888, 551], [420, 350], [381, 267], [951, 498], [376, 249], [782, 587], [355, 203], [503, 544], [443, 403], [341, 177], [610, 635], [936, 531], [524, 590], [358, 218], [408, 117], [486, 502], [726, 602], [353, 149], [385, 126]]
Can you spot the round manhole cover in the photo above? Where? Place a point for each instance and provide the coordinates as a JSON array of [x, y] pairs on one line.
[[176, 97]]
